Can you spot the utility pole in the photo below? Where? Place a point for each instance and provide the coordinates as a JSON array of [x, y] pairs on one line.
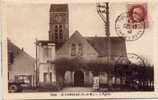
[[36, 71], [103, 11]]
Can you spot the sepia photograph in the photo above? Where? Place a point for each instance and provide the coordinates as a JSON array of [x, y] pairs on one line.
[[97, 47]]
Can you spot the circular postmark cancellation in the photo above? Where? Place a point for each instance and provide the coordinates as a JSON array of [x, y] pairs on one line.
[[131, 58], [129, 27], [135, 59]]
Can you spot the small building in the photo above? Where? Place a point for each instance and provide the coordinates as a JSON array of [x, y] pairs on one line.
[[21, 66], [45, 67]]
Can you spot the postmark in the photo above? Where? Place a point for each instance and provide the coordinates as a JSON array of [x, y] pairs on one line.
[[135, 59], [131, 58], [125, 27]]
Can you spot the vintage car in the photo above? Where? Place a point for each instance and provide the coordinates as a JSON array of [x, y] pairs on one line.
[[15, 86]]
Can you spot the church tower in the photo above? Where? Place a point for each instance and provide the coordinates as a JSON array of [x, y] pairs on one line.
[[59, 24]]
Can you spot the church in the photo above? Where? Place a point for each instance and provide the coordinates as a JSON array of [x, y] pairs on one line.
[[62, 46]]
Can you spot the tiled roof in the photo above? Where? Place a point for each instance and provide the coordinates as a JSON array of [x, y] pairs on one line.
[[13, 48], [22, 62], [118, 46]]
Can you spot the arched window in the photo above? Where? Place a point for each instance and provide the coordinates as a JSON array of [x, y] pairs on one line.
[[60, 26], [73, 50], [80, 49], [56, 32], [60, 31]]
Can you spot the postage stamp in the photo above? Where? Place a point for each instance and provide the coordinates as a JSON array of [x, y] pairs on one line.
[[74, 50], [138, 13], [132, 25]]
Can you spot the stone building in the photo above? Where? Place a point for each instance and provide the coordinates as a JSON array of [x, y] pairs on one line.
[[59, 24], [89, 49], [45, 69], [58, 34], [77, 46]]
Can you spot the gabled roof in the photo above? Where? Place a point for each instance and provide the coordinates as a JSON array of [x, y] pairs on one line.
[[13, 48], [17, 51], [99, 44], [118, 46], [23, 63]]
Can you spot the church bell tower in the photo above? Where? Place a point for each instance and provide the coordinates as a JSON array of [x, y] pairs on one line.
[[59, 24]]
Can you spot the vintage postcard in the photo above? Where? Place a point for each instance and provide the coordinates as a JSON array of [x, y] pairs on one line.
[[93, 49]]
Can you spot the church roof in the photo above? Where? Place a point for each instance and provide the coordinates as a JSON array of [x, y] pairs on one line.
[[99, 44], [118, 45]]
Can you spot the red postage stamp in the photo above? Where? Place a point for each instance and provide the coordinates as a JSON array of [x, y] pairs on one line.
[[137, 13]]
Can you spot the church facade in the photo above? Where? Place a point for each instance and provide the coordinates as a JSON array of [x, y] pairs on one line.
[[89, 49], [76, 46]]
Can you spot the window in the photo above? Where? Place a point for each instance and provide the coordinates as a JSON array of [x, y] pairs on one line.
[[56, 36], [50, 76], [45, 76], [58, 32], [56, 26], [61, 31], [60, 26], [47, 52], [80, 49], [73, 50], [61, 34]]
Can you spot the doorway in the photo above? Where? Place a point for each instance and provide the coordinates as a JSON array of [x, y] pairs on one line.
[[79, 78]]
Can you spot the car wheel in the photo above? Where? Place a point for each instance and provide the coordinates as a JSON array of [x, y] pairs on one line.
[[13, 88]]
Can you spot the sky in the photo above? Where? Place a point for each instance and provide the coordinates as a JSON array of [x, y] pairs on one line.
[[27, 22]]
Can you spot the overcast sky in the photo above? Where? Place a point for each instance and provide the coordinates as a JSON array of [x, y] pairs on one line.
[[29, 21]]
